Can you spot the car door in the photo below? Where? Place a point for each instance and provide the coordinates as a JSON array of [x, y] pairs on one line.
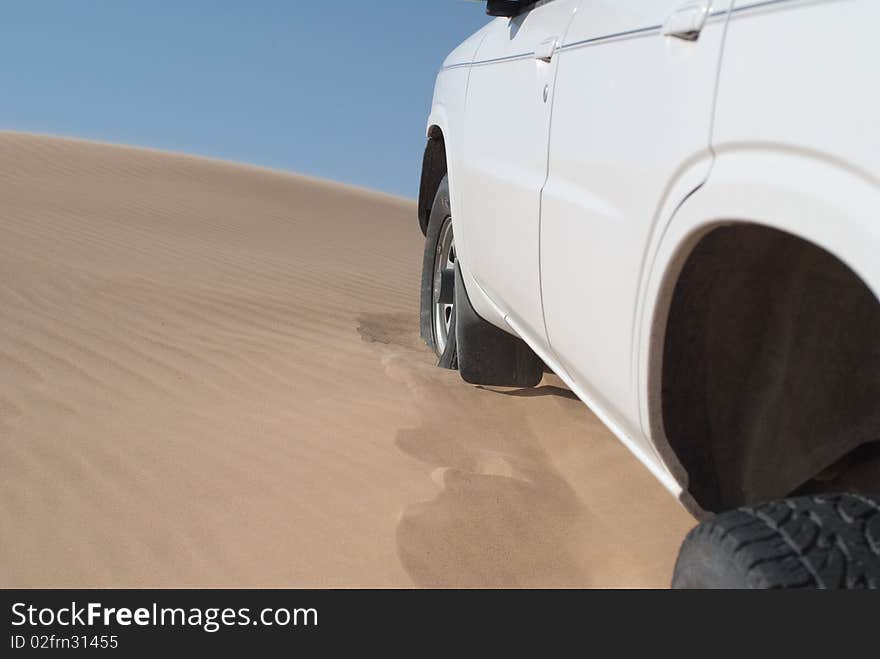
[[631, 129], [504, 163]]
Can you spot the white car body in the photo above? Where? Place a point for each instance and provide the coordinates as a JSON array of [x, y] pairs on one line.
[[590, 146]]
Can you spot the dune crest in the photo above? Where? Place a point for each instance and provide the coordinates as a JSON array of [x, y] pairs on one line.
[[210, 375]]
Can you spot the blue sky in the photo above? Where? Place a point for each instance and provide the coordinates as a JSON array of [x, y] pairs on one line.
[[339, 89]]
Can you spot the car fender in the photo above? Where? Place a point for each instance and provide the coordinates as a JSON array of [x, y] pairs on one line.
[[818, 198]]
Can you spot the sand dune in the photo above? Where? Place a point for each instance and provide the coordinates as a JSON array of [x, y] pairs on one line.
[[210, 375]]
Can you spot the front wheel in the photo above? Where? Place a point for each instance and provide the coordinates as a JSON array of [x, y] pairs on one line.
[[437, 317]]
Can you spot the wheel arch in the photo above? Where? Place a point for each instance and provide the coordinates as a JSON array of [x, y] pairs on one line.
[[810, 198], [434, 168]]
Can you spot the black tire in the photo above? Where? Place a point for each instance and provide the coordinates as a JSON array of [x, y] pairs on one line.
[[439, 221], [822, 541]]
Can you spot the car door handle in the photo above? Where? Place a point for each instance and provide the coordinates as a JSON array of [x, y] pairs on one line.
[[545, 50], [687, 21]]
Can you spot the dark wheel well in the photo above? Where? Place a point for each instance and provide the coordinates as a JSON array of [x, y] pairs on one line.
[[433, 171], [770, 365]]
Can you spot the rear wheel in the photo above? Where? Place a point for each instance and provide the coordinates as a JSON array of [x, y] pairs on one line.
[[822, 541], [438, 281]]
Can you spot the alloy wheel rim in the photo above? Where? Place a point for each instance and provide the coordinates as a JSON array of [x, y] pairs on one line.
[[443, 301]]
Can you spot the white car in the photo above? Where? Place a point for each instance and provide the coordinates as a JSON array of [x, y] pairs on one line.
[[676, 209]]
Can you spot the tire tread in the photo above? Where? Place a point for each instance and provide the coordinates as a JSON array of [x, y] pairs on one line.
[[821, 541]]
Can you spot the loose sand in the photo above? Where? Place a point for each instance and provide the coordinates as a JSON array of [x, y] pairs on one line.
[[210, 375]]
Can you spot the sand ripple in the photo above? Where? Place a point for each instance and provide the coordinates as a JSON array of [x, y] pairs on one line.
[[210, 375]]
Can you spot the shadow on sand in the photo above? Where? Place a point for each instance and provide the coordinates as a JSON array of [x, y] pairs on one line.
[[504, 515], [545, 390]]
